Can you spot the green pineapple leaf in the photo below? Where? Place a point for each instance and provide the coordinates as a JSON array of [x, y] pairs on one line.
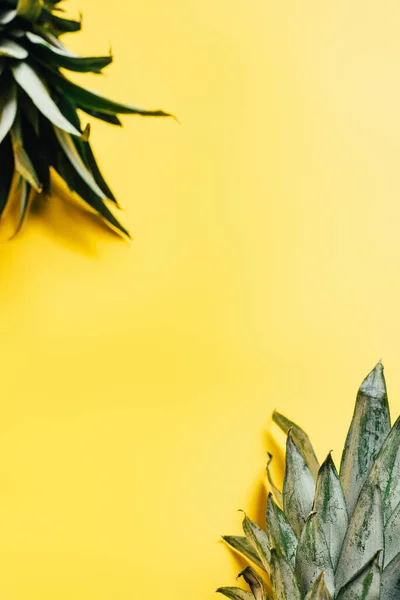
[[23, 164], [241, 544], [313, 557], [391, 580], [87, 99], [46, 52], [8, 100], [259, 540], [283, 579], [330, 504], [280, 532], [301, 440], [34, 86], [368, 430], [317, 550], [318, 590], [366, 584], [392, 536], [365, 534], [298, 487], [235, 593], [388, 471], [12, 49], [40, 130]]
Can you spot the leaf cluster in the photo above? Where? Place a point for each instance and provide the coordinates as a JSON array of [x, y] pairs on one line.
[[40, 126], [332, 535]]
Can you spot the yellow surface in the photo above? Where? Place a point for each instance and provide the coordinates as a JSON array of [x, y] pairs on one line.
[[137, 380]]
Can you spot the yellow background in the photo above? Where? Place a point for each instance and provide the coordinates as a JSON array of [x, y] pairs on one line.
[[137, 380]]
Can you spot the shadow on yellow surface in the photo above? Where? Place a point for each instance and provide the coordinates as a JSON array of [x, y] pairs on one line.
[[65, 219]]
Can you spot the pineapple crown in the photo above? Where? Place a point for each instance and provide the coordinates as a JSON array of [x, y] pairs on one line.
[[331, 535], [40, 127]]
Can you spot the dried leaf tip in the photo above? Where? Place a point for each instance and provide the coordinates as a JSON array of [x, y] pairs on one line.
[[374, 385]]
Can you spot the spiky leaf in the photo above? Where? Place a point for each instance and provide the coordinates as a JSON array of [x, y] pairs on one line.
[[368, 430], [23, 164], [312, 556], [76, 161], [391, 580], [330, 505], [241, 544], [365, 534], [259, 540], [318, 590], [34, 59], [301, 440], [366, 583], [235, 593], [388, 471], [298, 487], [45, 51], [392, 536], [87, 99], [283, 579], [12, 49], [36, 89], [8, 102], [280, 532]]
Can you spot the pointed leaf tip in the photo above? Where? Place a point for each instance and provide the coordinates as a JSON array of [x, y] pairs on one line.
[[319, 591], [280, 532], [374, 384], [368, 430], [241, 544], [300, 438], [298, 487], [330, 504], [259, 540], [313, 556], [366, 583]]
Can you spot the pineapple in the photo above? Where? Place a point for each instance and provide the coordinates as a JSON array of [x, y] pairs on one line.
[[40, 126], [331, 535]]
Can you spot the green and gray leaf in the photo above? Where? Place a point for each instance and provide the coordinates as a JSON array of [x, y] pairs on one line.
[[235, 593], [318, 590], [259, 540], [368, 430], [280, 532], [330, 504], [241, 544], [366, 583], [313, 557], [284, 584], [365, 534], [298, 487], [392, 536], [391, 580], [301, 440]]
